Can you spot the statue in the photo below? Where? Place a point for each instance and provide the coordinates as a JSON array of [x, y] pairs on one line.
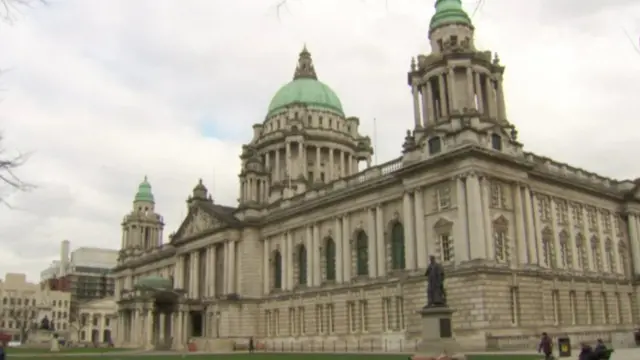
[[436, 295], [44, 324]]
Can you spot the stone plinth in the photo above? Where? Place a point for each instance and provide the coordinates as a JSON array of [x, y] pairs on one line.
[[437, 335], [55, 344]]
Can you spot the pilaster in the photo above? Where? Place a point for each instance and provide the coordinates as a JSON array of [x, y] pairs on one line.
[[410, 243], [520, 219], [371, 239], [421, 242], [461, 237], [475, 216]]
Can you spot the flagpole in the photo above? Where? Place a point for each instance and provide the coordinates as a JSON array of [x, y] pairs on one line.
[[375, 142]]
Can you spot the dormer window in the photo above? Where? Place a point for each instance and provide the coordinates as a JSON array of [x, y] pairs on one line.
[[435, 145], [454, 40], [496, 142], [440, 45]]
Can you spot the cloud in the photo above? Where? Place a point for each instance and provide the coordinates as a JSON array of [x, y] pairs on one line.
[[106, 92]]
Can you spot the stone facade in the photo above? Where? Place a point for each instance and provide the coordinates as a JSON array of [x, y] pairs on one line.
[[319, 253], [96, 322]]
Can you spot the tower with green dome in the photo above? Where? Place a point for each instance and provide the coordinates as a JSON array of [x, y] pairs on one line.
[[304, 141], [458, 95], [142, 227]]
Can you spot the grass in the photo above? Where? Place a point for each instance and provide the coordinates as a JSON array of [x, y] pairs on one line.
[[113, 355]]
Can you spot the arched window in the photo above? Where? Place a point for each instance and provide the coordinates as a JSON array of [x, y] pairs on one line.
[[302, 265], [277, 270], [362, 254], [330, 259], [397, 247]]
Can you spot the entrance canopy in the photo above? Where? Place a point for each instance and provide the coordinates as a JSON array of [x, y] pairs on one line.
[[159, 288]]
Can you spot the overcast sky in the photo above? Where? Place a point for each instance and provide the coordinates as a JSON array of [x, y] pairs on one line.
[[104, 92]]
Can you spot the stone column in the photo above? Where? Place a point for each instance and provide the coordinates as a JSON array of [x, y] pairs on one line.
[[520, 219], [303, 158], [460, 231], [417, 122], [276, 173], [149, 330], [452, 89], [266, 278], [601, 241], [207, 273], [587, 239], [308, 243], [160, 326], [485, 190], [426, 119], [502, 112], [443, 95], [287, 161], [346, 250], [343, 164], [556, 237], [289, 260], [479, 93], [491, 98], [232, 267], [532, 241], [337, 229], [315, 251], [350, 161], [135, 327], [470, 93], [213, 275], [635, 243], [616, 253], [285, 265], [421, 242], [331, 165], [538, 226], [318, 162], [429, 103], [410, 242], [572, 240], [381, 250], [192, 280], [371, 244], [476, 222]]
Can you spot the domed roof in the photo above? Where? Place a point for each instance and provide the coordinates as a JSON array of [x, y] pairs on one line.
[[144, 191], [155, 282], [449, 12], [305, 88]]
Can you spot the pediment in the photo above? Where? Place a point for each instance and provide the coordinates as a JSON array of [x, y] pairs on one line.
[[203, 218]]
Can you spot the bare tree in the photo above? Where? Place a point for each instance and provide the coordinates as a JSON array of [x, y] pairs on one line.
[[10, 8], [25, 319], [77, 320]]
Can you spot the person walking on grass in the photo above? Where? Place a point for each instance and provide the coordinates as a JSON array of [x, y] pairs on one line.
[[546, 346], [251, 345]]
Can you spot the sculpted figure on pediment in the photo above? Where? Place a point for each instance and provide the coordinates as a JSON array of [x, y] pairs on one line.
[[201, 222]]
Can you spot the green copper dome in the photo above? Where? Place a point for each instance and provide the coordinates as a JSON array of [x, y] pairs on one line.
[[306, 89], [144, 191], [449, 12]]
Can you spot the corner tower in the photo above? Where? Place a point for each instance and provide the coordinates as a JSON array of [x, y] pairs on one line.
[[142, 227], [457, 90], [304, 141]]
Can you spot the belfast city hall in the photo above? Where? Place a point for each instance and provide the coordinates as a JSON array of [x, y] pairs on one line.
[[317, 251]]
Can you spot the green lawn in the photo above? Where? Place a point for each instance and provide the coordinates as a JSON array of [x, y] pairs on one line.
[[243, 356]]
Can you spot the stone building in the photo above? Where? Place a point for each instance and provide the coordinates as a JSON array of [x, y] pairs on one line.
[[317, 252], [24, 304], [97, 320]]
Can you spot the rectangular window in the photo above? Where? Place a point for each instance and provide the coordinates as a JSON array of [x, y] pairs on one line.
[[399, 313], [605, 308], [386, 313], [292, 321], [631, 302], [330, 319], [276, 321], [352, 316], [302, 325], [619, 309], [555, 299], [267, 321], [514, 305], [446, 247], [364, 316], [573, 305], [319, 319]]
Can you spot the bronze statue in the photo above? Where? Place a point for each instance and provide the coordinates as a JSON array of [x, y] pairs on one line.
[[436, 295], [44, 324]]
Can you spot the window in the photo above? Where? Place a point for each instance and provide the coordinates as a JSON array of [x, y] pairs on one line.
[[276, 321], [496, 142], [364, 315], [443, 198], [498, 199], [592, 218], [330, 260], [555, 299], [573, 307], [319, 319], [544, 208], [292, 321], [302, 325], [589, 305], [352, 316], [581, 253], [619, 309], [277, 270], [514, 305], [597, 256], [302, 265], [611, 258], [562, 211], [446, 246], [500, 241], [435, 145], [399, 313], [362, 254], [605, 308], [386, 313], [565, 252], [330, 319], [606, 221], [631, 302], [624, 260], [397, 247], [547, 248]]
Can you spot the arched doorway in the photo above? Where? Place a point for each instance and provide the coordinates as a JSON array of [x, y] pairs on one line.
[[95, 336], [106, 336]]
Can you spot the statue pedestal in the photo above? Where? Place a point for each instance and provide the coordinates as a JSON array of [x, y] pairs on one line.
[[437, 335], [55, 345]]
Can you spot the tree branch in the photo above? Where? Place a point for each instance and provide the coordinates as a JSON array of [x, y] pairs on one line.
[[10, 8]]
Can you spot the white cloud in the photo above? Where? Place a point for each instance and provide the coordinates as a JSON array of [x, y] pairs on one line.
[[105, 92]]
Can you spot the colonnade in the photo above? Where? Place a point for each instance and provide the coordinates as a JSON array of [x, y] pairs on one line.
[[482, 91], [217, 276]]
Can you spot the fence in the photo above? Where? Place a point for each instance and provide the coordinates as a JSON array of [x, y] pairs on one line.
[[340, 345]]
